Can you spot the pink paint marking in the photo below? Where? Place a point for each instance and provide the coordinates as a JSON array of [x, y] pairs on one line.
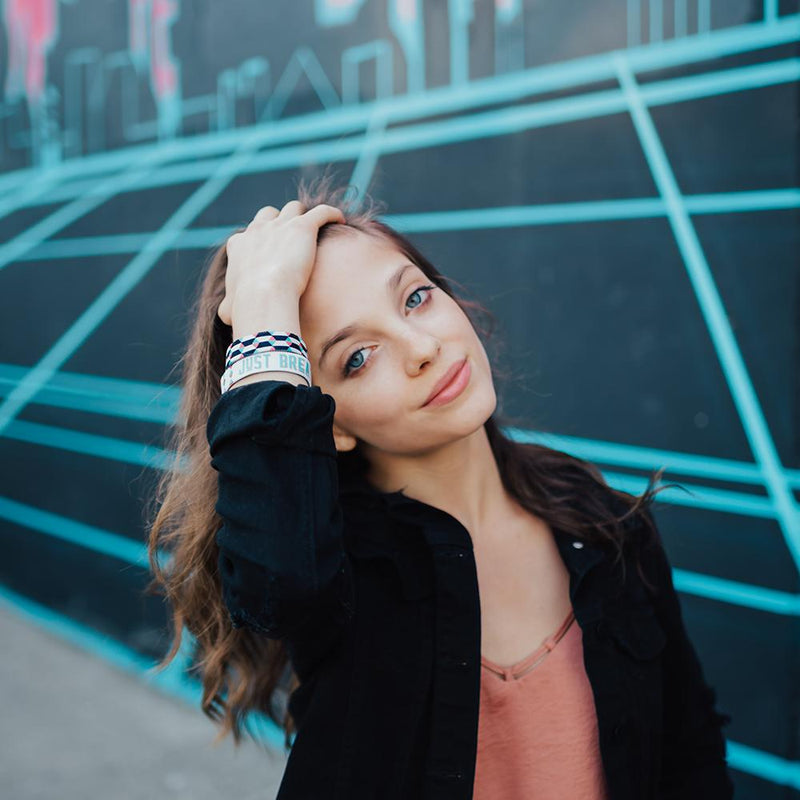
[[31, 30], [150, 37], [165, 78]]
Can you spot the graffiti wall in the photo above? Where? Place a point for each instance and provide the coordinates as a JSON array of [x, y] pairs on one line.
[[616, 179]]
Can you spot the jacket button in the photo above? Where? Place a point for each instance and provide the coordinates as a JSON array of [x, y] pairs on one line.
[[600, 628], [619, 729], [577, 545]]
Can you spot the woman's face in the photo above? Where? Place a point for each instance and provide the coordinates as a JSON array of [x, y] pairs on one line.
[[405, 338]]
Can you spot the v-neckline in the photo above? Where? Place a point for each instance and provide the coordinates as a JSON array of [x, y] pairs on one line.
[[525, 665]]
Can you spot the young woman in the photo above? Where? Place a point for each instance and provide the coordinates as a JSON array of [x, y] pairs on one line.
[[461, 615]]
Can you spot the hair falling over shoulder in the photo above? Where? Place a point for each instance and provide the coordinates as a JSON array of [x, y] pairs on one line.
[[241, 670]]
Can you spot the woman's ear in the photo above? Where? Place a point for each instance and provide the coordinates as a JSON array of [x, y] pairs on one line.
[[344, 441]]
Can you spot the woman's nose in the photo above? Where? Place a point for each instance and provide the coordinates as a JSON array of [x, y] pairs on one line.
[[422, 350]]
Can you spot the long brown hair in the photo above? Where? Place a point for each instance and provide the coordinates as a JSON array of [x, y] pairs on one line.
[[240, 669]]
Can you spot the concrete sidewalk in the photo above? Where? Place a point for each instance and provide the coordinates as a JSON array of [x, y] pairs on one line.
[[76, 728]]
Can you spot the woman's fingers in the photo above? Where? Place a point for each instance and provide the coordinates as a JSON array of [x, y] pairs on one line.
[[323, 213], [318, 215], [265, 213], [294, 208]]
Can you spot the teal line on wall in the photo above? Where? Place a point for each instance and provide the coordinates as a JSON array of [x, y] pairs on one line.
[[455, 220], [508, 87], [504, 121], [125, 549], [717, 320]]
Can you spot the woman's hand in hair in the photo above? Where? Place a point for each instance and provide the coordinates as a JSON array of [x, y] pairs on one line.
[[274, 254]]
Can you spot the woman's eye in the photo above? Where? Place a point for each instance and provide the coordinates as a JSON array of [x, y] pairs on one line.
[[349, 367]]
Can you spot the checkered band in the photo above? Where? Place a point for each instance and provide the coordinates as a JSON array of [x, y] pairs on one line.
[[264, 340]]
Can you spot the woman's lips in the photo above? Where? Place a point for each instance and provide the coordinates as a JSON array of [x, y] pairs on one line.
[[454, 388]]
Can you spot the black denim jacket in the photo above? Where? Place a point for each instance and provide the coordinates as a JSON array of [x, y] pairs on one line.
[[376, 597]]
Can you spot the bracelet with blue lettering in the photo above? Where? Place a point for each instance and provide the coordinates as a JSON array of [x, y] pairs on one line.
[[266, 361]]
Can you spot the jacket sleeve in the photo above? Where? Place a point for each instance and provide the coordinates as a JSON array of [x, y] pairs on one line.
[[282, 563], [693, 755]]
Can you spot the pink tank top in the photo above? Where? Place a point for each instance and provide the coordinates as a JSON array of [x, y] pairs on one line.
[[537, 726]]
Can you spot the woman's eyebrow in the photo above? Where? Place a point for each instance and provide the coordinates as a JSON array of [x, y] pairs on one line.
[[349, 330]]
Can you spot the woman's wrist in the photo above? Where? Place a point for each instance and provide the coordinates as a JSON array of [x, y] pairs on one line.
[[266, 310]]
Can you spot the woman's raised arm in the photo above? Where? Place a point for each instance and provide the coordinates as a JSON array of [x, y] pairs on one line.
[[281, 557]]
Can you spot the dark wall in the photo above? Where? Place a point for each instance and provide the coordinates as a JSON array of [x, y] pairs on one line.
[[620, 189]]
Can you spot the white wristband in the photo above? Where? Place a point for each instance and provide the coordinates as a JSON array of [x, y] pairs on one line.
[[269, 361]]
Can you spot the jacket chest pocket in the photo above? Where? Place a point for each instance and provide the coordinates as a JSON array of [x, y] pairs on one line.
[[637, 632], [639, 640]]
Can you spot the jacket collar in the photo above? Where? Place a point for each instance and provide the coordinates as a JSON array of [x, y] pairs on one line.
[[441, 529]]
